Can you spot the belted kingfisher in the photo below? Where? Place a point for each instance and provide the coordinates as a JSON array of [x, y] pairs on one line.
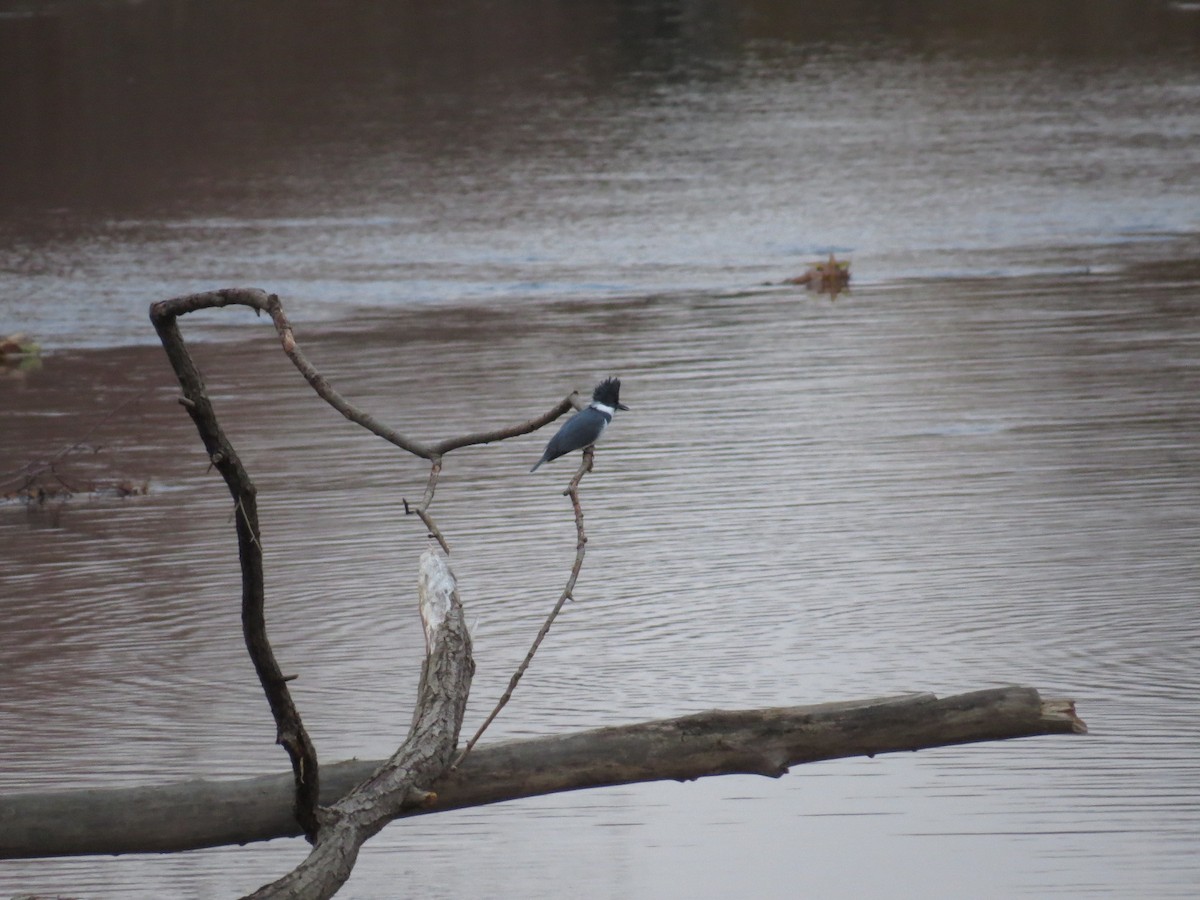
[[585, 427]]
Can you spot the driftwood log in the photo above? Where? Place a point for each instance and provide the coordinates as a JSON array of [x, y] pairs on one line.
[[202, 813]]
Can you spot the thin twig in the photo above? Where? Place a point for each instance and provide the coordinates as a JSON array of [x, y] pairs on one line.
[[569, 402], [422, 508], [329, 394], [34, 468], [572, 491]]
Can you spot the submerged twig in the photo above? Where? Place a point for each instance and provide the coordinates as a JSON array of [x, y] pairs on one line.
[[572, 491], [29, 473]]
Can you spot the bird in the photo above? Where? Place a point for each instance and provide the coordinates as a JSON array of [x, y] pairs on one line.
[[585, 427]]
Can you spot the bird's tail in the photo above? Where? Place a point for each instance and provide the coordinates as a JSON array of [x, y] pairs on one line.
[[536, 464]]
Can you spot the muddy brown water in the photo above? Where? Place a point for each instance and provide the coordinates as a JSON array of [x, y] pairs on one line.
[[981, 466]]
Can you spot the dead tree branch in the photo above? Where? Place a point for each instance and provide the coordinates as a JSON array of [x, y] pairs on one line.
[[569, 402], [432, 452], [422, 508], [198, 814], [572, 491], [261, 302], [290, 731], [338, 832], [421, 759]]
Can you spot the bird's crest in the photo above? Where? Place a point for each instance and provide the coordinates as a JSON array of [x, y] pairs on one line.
[[608, 392]]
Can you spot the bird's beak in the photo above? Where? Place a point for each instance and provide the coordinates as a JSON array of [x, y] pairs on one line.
[[623, 406]]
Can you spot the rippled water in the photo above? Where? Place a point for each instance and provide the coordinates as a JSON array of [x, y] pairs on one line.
[[979, 467]]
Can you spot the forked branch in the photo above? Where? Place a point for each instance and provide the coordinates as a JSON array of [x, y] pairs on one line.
[[422, 508], [572, 491], [403, 780], [164, 315]]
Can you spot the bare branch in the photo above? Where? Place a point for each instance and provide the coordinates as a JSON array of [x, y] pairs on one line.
[[569, 402], [330, 395], [290, 731], [354, 414], [572, 491], [422, 508], [271, 304]]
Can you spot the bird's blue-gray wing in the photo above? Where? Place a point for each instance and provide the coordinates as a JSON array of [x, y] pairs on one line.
[[579, 431]]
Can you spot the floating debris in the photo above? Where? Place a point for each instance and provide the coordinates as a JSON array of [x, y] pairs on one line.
[[19, 355], [37, 494], [17, 346], [829, 277]]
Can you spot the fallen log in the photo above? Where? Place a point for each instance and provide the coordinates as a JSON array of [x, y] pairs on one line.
[[205, 813]]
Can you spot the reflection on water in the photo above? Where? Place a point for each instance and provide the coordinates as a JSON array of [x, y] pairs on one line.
[[397, 155], [936, 482]]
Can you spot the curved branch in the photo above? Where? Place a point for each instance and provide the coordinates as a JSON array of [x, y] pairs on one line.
[[330, 395], [572, 491], [569, 402], [262, 302], [354, 414], [290, 731]]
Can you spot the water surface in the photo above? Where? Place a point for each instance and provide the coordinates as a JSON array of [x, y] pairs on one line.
[[981, 466]]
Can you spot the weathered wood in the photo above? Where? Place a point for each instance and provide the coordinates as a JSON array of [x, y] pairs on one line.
[[765, 741], [424, 755], [289, 728], [261, 302], [337, 832]]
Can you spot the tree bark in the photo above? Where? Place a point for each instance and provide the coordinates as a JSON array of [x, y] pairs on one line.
[[198, 814], [289, 728], [425, 754]]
